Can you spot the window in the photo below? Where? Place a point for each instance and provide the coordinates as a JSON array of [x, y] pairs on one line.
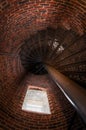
[[36, 101]]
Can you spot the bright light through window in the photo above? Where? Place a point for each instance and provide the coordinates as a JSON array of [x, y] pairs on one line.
[[36, 101]]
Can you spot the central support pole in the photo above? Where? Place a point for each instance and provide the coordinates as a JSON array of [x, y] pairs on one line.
[[74, 93]]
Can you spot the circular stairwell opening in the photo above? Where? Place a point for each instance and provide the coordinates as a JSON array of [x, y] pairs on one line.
[[31, 61], [40, 49], [37, 68]]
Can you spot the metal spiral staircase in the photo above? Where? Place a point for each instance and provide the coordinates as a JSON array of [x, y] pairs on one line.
[[44, 48]]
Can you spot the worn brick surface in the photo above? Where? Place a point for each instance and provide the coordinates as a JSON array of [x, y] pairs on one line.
[[20, 21]]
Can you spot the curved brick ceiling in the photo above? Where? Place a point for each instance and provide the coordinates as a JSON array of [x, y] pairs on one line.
[[20, 19], [20, 22]]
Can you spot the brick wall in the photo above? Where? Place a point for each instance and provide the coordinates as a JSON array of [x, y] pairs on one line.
[[12, 116], [19, 20], [22, 18]]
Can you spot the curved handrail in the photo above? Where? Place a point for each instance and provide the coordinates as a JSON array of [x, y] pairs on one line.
[[74, 93]]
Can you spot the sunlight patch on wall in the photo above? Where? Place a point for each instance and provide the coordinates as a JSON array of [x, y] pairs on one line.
[[36, 101]]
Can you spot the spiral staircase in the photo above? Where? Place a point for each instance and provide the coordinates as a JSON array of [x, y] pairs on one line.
[[59, 48], [43, 44]]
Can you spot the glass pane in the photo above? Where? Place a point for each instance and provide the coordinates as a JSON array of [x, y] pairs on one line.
[[37, 101]]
